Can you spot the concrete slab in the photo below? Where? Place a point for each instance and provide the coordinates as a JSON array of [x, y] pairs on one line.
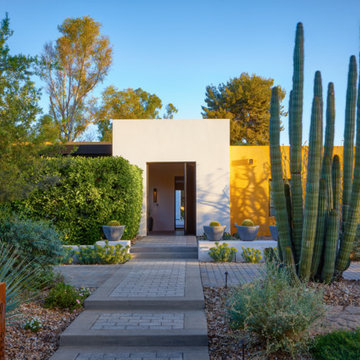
[[122, 353], [191, 298], [140, 328]]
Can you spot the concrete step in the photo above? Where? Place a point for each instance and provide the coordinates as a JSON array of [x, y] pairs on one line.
[[166, 249], [137, 328], [164, 255], [129, 353]]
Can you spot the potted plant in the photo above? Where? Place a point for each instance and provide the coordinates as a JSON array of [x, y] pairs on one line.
[[247, 230], [214, 231], [274, 230], [113, 230]]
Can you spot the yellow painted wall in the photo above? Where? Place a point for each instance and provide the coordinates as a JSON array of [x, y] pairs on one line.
[[249, 184]]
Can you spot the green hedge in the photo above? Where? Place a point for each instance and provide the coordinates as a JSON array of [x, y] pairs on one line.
[[78, 195]]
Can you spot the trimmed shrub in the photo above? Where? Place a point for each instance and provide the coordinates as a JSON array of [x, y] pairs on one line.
[[247, 222], [337, 345], [214, 223], [85, 194], [113, 223], [222, 253], [37, 241], [277, 311]]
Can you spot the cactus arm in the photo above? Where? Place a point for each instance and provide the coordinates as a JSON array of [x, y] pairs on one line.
[[354, 208], [312, 191], [277, 187], [349, 137], [336, 182], [296, 141], [320, 228], [332, 233]]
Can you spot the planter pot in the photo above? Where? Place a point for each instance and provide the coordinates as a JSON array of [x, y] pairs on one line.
[[274, 232], [113, 233], [247, 233], [214, 233]]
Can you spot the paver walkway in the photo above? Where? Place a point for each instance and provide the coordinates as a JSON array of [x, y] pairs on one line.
[[147, 309]]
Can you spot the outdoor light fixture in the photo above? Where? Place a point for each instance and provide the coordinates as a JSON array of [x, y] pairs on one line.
[[155, 195]]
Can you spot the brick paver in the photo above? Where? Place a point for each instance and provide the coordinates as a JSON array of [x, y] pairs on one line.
[[153, 279], [149, 355], [139, 321]]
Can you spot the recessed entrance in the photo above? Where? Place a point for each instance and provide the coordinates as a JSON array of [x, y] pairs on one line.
[[171, 197]]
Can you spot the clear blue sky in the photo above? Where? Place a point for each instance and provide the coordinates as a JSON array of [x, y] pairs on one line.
[[176, 48]]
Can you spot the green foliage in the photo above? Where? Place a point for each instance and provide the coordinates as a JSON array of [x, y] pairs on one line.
[[227, 236], [337, 345], [245, 101], [277, 311], [38, 241], [222, 253], [271, 255], [108, 254], [247, 222], [86, 193], [65, 296], [113, 223], [21, 279], [68, 256], [33, 324], [214, 223], [251, 255], [128, 104]]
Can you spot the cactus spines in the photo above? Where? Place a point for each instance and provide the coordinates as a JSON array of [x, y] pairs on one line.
[[332, 234], [296, 140], [277, 176], [312, 191], [349, 136]]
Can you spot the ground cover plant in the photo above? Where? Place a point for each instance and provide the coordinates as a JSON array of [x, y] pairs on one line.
[[310, 230], [277, 311], [337, 345], [85, 194], [251, 255], [222, 252]]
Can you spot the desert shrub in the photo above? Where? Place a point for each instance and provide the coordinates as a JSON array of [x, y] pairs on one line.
[[37, 241], [227, 236], [108, 254], [337, 345], [21, 279], [276, 311], [68, 256], [271, 255], [355, 254], [251, 255], [222, 253], [247, 222], [64, 296], [214, 223], [86, 193]]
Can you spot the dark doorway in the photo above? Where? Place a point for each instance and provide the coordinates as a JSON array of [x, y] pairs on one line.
[[190, 198], [179, 202]]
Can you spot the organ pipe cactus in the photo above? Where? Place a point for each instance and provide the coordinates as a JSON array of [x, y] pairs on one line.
[[316, 237]]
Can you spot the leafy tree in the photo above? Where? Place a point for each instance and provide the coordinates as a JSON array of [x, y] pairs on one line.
[[128, 104], [18, 110], [244, 100], [71, 68]]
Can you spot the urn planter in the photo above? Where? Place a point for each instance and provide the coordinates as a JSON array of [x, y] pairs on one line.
[[214, 233], [247, 233], [274, 232], [113, 233]]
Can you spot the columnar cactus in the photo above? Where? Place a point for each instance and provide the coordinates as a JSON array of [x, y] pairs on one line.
[[309, 235]]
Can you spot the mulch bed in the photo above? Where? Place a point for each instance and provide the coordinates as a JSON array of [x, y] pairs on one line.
[[225, 344], [23, 344]]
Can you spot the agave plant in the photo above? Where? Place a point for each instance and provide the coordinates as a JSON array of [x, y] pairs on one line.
[[316, 235], [20, 278]]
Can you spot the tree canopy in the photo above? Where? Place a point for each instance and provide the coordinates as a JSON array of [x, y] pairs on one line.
[[245, 100], [71, 68], [128, 104], [18, 110]]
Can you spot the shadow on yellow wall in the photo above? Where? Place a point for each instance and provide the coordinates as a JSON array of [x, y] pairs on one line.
[[250, 184]]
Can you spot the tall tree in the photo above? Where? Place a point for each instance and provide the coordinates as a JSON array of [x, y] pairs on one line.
[[128, 104], [244, 100], [71, 68], [18, 110]]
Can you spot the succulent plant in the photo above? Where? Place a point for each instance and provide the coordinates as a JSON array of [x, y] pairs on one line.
[[214, 223], [247, 222], [113, 223]]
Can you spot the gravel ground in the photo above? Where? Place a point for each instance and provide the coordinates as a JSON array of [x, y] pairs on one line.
[[225, 344]]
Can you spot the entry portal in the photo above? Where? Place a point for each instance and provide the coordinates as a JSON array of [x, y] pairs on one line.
[[171, 197]]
